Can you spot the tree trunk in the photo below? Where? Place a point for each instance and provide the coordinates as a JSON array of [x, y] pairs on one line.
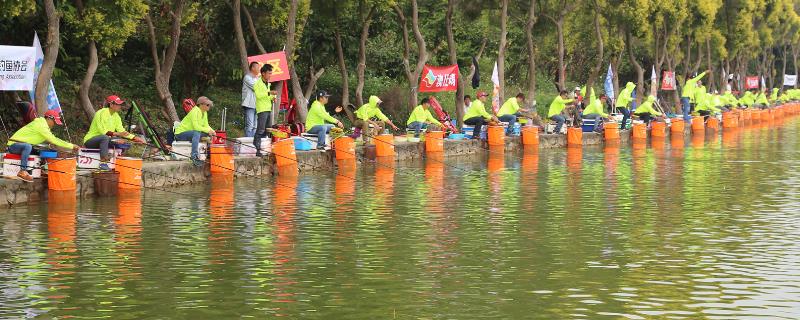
[[636, 66], [687, 59], [362, 56], [422, 51], [83, 91], [615, 68], [451, 45], [795, 52], [237, 28], [783, 65], [163, 66], [711, 82], [422, 54], [301, 99], [599, 34], [531, 48], [562, 69], [50, 56], [337, 39], [253, 32], [501, 52]]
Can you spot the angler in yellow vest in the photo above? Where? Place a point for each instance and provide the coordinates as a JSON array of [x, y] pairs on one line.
[[477, 116], [36, 132], [421, 117], [365, 115], [107, 124], [264, 98], [317, 117], [195, 126]]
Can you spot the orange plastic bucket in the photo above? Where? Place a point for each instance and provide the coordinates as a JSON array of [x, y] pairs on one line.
[[698, 124], [530, 135], [611, 132], [434, 141], [496, 135], [712, 124], [659, 129], [677, 126], [221, 159], [639, 131], [345, 148], [384, 145], [130, 172], [61, 174], [284, 153], [574, 137]]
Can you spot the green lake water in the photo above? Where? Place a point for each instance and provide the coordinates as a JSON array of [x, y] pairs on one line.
[[693, 229]]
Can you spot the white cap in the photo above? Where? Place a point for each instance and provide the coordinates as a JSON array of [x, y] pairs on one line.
[[577, 89], [380, 101]]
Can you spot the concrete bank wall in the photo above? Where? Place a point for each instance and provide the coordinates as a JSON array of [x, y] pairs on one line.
[[163, 174]]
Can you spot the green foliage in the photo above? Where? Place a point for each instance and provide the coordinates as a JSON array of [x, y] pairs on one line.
[[108, 23]]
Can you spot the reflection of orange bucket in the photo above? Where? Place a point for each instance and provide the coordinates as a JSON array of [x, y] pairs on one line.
[[611, 155], [698, 141], [530, 135], [659, 129], [611, 132], [639, 149], [698, 124], [221, 159], [530, 161], [288, 170], [129, 207], [284, 152], [61, 215], [677, 126], [434, 141], [729, 120], [677, 142], [61, 174], [345, 148], [713, 124], [345, 186], [574, 137], [130, 172], [639, 131], [496, 135], [658, 143], [384, 145], [496, 161], [574, 158]]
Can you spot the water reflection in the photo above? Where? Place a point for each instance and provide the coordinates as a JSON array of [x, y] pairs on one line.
[[656, 230]]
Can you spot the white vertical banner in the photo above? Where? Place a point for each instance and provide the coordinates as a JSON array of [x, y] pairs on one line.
[[653, 83], [496, 89], [52, 98], [16, 68]]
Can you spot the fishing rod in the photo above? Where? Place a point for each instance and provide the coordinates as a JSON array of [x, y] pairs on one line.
[[98, 178]]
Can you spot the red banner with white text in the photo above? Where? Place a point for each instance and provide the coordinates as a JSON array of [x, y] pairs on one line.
[[437, 79]]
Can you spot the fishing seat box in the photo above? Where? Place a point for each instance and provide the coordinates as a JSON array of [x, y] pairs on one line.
[[89, 159], [245, 147], [11, 163], [181, 150]]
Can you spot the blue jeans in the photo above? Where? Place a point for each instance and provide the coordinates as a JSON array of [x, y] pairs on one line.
[[102, 142], [23, 150], [626, 115], [559, 119], [511, 119], [686, 109], [321, 131], [194, 137], [249, 122], [417, 126]]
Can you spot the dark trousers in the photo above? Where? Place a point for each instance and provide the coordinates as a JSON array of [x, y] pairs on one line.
[[626, 115], [262, 123], [478, 122]]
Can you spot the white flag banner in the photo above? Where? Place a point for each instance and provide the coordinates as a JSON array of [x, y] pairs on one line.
[[16, 68], [789, 80], [52, 98], [763, 84], [653, 82], [496, 89]]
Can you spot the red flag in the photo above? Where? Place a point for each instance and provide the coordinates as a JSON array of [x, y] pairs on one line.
[[284, 96], [437, 79], [280, 68]]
